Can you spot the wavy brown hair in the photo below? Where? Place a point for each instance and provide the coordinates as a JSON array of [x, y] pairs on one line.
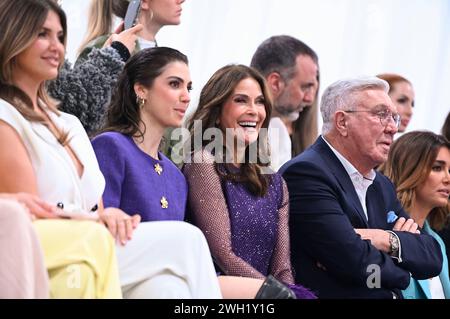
[[212, 98], [123, 114], [409, 164], [20, 22]]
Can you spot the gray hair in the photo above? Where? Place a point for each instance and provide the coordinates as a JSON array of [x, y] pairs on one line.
[[342, 94]]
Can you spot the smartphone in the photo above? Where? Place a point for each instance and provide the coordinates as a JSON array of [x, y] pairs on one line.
[[132, 13]]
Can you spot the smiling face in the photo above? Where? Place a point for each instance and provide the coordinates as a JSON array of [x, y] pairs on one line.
[[244, 111], [435, 191], [168, 97], [40, 61], [402, 94]]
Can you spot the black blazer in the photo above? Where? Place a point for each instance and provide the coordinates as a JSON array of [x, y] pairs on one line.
[[327, 255]]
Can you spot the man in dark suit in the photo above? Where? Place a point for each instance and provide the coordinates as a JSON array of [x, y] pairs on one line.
[[350, 237]]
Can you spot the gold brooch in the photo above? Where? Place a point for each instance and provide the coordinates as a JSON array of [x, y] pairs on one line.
[[164, 203], [158, 169]]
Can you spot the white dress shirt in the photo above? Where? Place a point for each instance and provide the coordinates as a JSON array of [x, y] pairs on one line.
[[360, 182], [279, 142]]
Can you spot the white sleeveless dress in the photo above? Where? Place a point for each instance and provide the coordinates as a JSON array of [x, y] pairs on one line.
[[56, 174]]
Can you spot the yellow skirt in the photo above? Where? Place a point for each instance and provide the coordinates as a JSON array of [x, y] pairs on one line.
[[80, 258]]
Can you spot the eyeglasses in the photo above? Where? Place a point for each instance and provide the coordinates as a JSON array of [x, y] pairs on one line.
[[384, 116]]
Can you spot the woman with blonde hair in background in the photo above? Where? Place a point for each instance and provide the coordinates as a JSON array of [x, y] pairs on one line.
[[419, 166], [153, 15]]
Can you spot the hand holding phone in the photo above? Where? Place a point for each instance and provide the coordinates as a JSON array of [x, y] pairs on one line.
[[132, 13]]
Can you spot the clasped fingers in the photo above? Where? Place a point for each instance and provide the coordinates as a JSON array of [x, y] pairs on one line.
[[120, 224], [407, 225]]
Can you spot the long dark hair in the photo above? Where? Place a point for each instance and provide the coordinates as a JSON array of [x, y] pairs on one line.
[[123, 114], [409, 163], [212, 98]]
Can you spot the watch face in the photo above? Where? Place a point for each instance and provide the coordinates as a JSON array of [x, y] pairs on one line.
[[394, 245], [393, 241]]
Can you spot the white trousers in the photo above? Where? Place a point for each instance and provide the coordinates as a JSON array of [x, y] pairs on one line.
[[167, 259]]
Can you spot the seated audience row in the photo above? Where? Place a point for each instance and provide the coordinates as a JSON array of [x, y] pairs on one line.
[[349, 235], [50, 155], [141, 179]]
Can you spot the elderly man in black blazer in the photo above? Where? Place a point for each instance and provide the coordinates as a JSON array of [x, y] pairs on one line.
[[350, 237]]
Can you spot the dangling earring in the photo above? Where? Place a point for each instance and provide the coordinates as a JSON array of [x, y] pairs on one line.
[[140, 101]]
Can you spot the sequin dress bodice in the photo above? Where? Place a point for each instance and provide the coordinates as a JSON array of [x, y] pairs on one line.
[[248, 235], [254, 222]]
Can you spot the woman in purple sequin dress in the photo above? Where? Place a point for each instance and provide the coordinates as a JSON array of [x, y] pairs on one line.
[[241, 206]]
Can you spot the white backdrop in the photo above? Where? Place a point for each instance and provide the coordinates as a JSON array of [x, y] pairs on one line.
[[351, 37]]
